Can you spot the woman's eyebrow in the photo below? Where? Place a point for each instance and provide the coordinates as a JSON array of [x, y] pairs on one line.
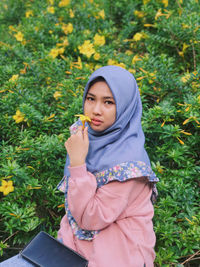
[[105, 97], [90, 94], [108, 97]]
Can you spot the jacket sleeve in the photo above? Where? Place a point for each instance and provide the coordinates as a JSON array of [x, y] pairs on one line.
[[95, 209]]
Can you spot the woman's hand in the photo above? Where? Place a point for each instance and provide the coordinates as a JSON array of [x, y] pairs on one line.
[[77, 147]]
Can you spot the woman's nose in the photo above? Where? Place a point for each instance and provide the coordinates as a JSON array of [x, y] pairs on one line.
[[97, 108]]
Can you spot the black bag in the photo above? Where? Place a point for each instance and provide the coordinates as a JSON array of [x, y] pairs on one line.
[[46, 251]]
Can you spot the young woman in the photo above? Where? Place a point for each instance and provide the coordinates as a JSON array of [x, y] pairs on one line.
[[108, 183]]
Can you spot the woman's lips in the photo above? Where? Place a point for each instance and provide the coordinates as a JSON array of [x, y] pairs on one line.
[[96, 122]]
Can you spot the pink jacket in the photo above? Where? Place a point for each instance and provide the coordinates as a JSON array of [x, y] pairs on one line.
[[121, 210]]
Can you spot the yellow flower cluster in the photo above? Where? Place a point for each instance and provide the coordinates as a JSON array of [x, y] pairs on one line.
[[67, 28], [6, 187], [115, 63], [19, 116], [51, 9], [99, 39], [138, 36], [19, 36], [139, 14], [135, 59], [102, 14], [185, 78], [14, 78], [96, 56], [29, 13], [56, 51], [160, 14], [165, 2], [57, 95], [71, 13], [87, 48], [64, 3], [78, 64], [185, 46]]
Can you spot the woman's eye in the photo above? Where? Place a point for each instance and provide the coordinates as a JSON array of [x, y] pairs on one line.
[[89, 98], [109, 102]]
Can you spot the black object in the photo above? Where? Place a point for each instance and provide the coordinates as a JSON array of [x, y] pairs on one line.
[[46, 251]]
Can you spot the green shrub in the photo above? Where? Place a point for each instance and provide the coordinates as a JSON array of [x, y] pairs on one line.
[[44, 67]]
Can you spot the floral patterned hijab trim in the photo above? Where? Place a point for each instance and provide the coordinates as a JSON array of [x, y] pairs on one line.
[[121, 172]]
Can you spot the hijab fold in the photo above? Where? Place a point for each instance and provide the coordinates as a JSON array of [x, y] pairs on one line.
[[124, 140]]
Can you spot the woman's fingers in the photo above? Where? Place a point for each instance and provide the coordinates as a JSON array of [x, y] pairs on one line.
[[85, 134]]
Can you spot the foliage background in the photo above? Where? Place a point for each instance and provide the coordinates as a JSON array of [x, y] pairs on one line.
[[44, 67]]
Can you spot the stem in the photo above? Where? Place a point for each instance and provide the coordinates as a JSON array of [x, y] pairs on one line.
[[10, 236], [194, 56], [197, 253]]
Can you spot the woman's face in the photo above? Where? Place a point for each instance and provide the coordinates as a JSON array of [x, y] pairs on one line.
[[100, 106]]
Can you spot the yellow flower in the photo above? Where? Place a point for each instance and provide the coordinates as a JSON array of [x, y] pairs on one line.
[[19, 116], [65, 42], [138, 36], [145, 1], [29, 13], [158, 14], [71, 13], [83, 119], [67, 28], [185, 46], [12, 28], [24, 70], [57, 94], [87, 48], [128, 52], [51, 9], [99, 39], [64, 3], [112, 62], [6, 187], [86, 32], [165, 2], [186, 133], [77, 65], [139, 14], [96, 56], [149, 25], [135, 59], [102, 14], [50, 118], [19, 36], [185, 78], [61, 50], [132, 71], [54, 52], [185, 26], [122, 65], [181, 142], [14, 78], [115, 63]]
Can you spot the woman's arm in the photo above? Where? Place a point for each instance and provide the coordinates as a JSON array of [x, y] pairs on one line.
[[95, 209]]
